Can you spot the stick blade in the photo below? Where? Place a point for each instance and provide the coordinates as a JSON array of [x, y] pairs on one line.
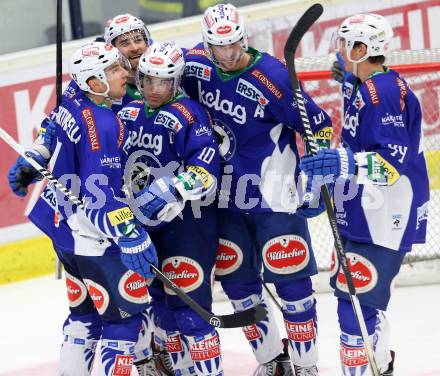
[[240, 319], [304, 23]]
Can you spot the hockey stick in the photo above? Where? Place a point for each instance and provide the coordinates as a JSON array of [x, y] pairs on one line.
[[235, 320], [59, 76], [272, 296], [298, 31]]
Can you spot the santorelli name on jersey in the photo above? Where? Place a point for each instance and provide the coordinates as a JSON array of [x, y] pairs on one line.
[[168, 120], [68, 123], [195, 69], [247, 90], [238, 113]]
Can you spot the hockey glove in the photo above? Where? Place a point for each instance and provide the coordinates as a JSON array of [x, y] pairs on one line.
[[326, 167], [22, 173], [338, 69], [138, 252], [152, 199]]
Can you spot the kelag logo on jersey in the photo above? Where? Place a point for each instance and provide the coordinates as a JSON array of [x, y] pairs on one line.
[[147, 141], [211, 100], [247, 90], [168, 120], [202, 71]]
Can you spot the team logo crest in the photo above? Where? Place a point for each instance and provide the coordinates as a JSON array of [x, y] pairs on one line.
[[226, 140], [133, 287], [286, 254], [229, 257]]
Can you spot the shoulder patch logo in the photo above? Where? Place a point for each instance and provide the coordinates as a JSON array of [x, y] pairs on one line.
[[268, 83], [184, 111], [247, 90], [374, 96], [195, 69], [92, 132], [168, 120], [129, 113]]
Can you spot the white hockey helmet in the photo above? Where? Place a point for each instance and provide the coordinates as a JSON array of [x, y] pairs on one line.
[[90, 60], [373, 30], [163, 60], [124, 23], [223, 25]]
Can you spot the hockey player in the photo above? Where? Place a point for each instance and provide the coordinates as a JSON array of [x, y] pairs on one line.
[[132, 38], [173, 138], [249, 95], [381, 165], [106, 298]]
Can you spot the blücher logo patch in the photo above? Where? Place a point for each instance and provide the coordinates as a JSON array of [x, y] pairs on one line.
[[229, 257], [133, 287], [92, 132], [266, 82], [98, 294], [286, 254], [363, 272], [76, 290], [184, 272]]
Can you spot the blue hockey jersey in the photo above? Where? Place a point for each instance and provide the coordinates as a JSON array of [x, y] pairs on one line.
[[177, 140], [88, 159], [256, 117], [387, 204]]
